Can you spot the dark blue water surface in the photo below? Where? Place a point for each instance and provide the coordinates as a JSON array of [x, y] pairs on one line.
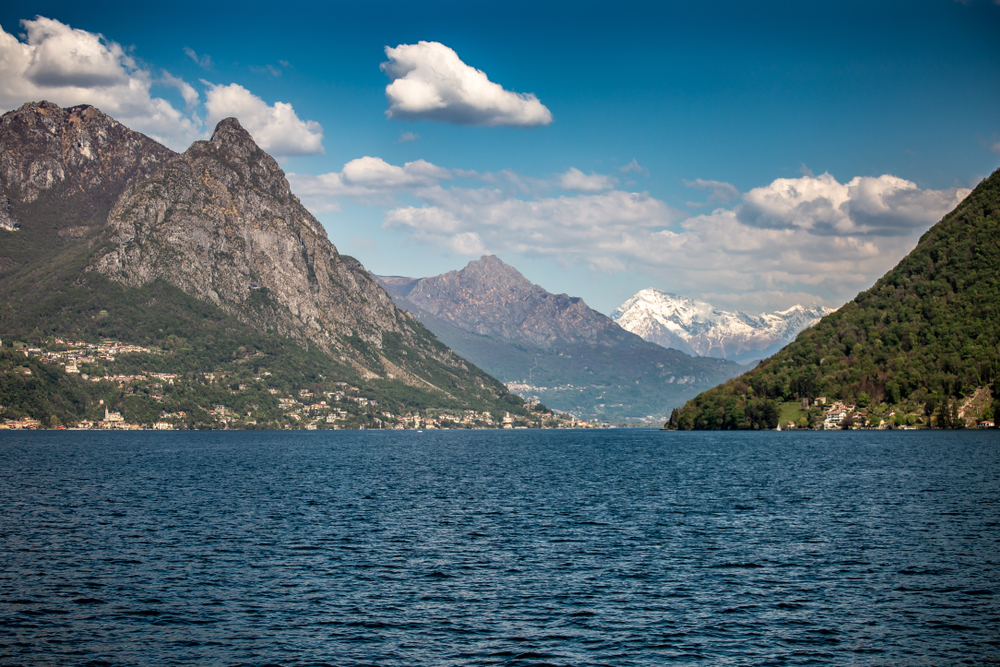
[[627, 547]]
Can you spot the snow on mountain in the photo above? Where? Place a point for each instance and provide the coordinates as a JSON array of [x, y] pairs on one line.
[[697, 327]]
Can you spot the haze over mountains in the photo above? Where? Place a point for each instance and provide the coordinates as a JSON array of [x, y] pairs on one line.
[[698, 328], [552, 346]]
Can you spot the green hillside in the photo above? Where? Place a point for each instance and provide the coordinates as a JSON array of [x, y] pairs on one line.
[[922, 340]]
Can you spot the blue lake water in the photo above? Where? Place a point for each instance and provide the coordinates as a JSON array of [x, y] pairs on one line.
[[622, 547]]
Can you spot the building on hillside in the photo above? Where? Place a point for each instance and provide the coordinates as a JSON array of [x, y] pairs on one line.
[[833, 418]]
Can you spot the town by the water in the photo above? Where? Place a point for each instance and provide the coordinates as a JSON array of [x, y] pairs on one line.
[[341, 406]]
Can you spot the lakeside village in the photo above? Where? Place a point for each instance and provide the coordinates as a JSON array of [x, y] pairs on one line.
[[843, 416], [256, 402]]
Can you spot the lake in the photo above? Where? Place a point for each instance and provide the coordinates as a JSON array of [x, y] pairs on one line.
[[615, 547]]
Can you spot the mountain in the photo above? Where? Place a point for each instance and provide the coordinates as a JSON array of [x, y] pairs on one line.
[[923, 342], [696, 327], [61, 171], [491, 298], [209, 261], [553, 347]]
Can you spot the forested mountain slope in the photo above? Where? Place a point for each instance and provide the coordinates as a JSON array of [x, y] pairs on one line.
[[924, 337]]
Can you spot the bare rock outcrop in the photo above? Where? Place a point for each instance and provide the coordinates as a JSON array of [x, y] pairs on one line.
[[491, 298], [79, 155], [221, 223]]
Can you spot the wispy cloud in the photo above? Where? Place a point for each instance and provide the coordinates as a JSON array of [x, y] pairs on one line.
[[633, 166], [776, 241], [718, 190], [407, 137], [204, 61]]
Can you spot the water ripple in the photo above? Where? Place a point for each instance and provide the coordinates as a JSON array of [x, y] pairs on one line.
[[493, 548]]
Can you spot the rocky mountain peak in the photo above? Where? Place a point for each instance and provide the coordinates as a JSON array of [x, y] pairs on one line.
[[697, 327], [230, 131], [220, 222], [246, 161], [79, 155], [492, 298]]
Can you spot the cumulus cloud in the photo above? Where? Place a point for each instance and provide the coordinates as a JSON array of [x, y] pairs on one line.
[[430, 82], [70, 66], [576, 180], [276, 128], [592, 228], [718, 191], [776, 245], [882, 206], [368, 180]]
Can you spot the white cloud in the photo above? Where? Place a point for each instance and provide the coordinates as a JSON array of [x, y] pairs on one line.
[[369, 180], [187, 91], [276, 128], [431, 82], [591, 228], [720, 191], [576, 180], [882, 206], [996, 148], [268, 69], [406, 137], [69, 67], [777, 245]]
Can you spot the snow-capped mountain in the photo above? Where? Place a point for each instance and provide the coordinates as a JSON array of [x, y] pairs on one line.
[[696, 327]]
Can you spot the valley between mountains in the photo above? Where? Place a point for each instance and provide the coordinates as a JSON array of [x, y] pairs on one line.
[[193, 290], [144, 287]]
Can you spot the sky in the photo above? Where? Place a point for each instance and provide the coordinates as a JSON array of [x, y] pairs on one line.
[[753, 155]]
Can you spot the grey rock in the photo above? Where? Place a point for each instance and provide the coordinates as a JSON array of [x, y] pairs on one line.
[[221, 223]]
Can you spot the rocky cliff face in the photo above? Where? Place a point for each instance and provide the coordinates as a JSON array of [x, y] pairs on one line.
[[491, 298], [74, 162], [696, 327], [220, 223]]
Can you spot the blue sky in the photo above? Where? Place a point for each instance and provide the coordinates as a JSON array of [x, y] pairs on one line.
[[756, 155]]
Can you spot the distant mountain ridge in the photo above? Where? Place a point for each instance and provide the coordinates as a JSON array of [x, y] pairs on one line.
[[491, 298], [698, 328], [552, 347]]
